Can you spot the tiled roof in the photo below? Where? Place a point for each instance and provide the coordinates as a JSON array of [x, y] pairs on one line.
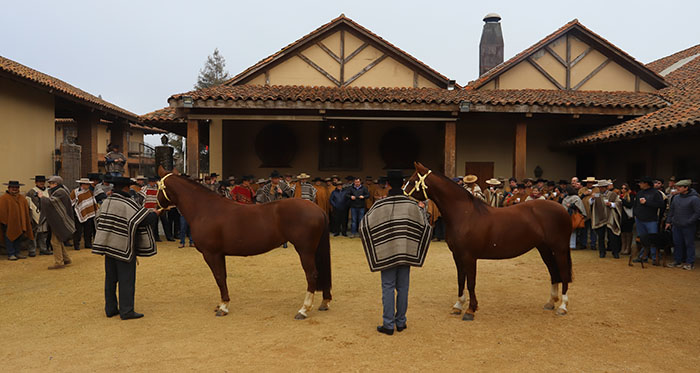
[[684, 110], [57, 86], [573, 25], [166, 114], [342, 19], [413, 96]]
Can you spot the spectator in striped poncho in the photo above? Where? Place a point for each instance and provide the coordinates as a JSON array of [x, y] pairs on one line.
[[84, 206]]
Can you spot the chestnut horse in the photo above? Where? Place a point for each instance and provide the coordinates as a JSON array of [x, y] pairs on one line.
[[221, 227], [475, 230]]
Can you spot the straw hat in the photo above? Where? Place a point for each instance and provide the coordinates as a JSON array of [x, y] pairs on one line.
[[303, 176], [493, 181], [590, 179], [261, 181], [141, 177], [603, 183], [83, 180], [470, 179]]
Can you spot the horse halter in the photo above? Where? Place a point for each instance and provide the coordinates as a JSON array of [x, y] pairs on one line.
[[161, 188], [418, 185]]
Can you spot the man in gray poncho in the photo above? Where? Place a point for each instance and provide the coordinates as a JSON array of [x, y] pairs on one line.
[[395, 234], [123, 232], [56, 208]]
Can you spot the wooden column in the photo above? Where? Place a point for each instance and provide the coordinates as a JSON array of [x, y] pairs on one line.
[[450, 149], [216, 149], [193, 147], [87, 139], [520, 151]]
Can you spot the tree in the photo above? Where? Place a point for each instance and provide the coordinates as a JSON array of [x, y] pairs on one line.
[[214, 71]]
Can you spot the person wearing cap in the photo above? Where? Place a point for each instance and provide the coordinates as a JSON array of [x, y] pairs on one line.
[[606, 210], [339, 210], [357, 194], [15, 219], [39, 225], [494, 193], [115, 161], [289, 180], [84, 207], [303, 189], [322, 195], [123, 233], [472, 187], [646, 216], [585, 193], [56, 206], [275, 190], [683, 216], [243, 193]]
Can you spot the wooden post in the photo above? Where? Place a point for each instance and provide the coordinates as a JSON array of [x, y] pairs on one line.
[[193, 148], [87, 139], [450, 149], [520, 151], [216, 149]]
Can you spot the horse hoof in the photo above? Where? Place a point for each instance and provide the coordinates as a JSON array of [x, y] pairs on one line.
[[456, 311], [221, 313], [549, 306], [561, 312], [299, 316], [468, 317], [323, 307]]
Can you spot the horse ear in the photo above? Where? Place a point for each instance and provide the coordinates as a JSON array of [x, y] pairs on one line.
[[161, 171], [419, 166], [175, 171]]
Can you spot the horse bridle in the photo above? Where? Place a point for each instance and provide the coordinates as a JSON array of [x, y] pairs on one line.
[[418, 185], [161, 188]]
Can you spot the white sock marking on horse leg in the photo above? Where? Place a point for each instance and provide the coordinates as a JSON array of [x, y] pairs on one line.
[[460, 302], [223, 307], [564, 302], [308, 302]]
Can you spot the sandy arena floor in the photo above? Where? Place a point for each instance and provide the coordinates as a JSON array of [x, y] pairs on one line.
[[620, 318]]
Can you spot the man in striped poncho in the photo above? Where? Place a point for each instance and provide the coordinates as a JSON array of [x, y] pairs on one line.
[[84, 206], [57, 210], [123, 232]]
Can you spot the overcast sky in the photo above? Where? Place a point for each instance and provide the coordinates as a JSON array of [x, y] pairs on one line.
[[138, 53]]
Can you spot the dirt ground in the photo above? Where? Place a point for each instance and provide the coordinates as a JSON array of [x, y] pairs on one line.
[[620, 319]]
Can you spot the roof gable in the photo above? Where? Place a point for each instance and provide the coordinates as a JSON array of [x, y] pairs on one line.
[[572, 58], [341, 53]]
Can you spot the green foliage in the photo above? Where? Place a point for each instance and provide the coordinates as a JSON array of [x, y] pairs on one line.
[[213, 73]]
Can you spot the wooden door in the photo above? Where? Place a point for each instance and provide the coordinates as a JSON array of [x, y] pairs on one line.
[[482, 170]]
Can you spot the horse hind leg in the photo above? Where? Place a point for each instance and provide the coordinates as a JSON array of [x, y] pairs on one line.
[[551, 263], [564, 264], [458, 308], [308, 263], [217, 264], [470, 267]]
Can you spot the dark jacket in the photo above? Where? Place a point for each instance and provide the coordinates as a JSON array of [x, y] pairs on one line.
[[357, 192], [339, 199], [685, 209], [648, 211]]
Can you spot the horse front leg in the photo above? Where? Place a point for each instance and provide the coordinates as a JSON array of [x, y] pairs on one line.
[[470, 266], [308, 262], [217, 264], [458, 308]]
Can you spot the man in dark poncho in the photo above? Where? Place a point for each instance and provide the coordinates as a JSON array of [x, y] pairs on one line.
[[123, 231]]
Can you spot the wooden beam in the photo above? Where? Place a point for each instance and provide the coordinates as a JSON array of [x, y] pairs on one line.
[[636, 83], [544, 72], [342, 56], [520, 151], [216, 146], [193, 147], [497, 82], [580, 57], [555, 55], [568, 62], [319, 69], [267, 77], [450, 149], [592, 74], [328, 51], [356, 52], [366, 69], [415, 79]]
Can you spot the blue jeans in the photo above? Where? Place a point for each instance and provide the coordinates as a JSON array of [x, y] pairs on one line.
[[184, 230], [684, 243], [357, 214], [117, 174], [396, 278], [12, 247], [644, 229]]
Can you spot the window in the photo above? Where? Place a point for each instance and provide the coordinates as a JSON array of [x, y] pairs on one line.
[[339, 147]]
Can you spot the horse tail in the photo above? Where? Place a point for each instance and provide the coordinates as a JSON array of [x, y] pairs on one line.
[[323, 259], [569, 266]]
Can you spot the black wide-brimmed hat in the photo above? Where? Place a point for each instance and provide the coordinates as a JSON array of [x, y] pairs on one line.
[[394, 177], [120, 181], [13, 183], [213, 174], [153, 178], [275, 173], [94, 176], [39, 178], [647, 180], [562, 181]]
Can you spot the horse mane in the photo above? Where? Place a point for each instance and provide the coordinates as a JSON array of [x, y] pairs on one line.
[[197, 185], [480, 207]]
